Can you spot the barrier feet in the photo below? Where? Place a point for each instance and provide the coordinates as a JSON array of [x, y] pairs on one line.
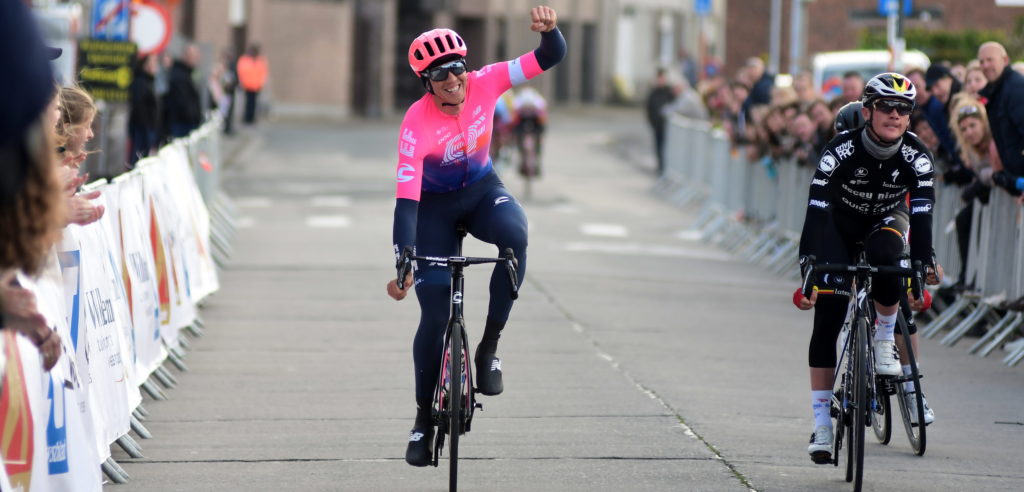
[[164, 377], [140, 429], [114, 471], [130, 446], [153, 391]]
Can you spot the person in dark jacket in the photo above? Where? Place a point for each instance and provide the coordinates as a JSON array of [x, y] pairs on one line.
[[659, 97], [1005, 94], [941, 85], [761, 90], [181, 103], [143, 119]]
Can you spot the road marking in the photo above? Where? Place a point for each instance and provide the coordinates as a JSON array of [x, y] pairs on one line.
[[253, 202], [690, 235], [330, 201], [638, 249], [604, 230], [328, 221]]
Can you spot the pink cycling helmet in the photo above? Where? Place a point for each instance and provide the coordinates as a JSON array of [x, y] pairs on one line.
[[433, 45]]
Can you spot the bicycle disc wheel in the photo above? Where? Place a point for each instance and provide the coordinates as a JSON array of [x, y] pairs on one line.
[[860, 392], [881, 419], [455, 405], [915, 433]]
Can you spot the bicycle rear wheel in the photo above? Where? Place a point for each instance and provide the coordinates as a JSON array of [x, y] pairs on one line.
[[861, 359], [455, 405], [916, 434]]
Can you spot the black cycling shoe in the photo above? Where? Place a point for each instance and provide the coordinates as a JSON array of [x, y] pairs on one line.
[[488, 375], [421, 443]]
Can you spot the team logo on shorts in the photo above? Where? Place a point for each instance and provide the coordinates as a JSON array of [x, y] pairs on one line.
[[828, 164], [922, 165]]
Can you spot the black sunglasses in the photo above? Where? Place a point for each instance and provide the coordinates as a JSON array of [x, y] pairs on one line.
[[887, 106], [440, 73]]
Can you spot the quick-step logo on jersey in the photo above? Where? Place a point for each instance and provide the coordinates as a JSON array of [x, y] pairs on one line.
[[828, 163]]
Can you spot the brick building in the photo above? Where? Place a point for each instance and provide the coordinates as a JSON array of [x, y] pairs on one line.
[[339, 57], [836, 24]]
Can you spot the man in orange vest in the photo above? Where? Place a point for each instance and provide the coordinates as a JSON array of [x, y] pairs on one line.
[[252, 75]]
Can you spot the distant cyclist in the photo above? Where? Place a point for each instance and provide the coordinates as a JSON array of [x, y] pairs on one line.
[[445, 177], [857, 203], [531, 117]]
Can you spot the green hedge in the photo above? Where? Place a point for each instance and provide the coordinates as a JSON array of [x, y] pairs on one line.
[[954, 46]]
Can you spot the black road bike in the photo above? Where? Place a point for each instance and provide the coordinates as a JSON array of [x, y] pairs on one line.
[[454, 396], [861, 398]]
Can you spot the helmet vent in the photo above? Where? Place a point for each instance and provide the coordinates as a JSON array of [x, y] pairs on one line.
[[418, 55], [430, 50], [451, 44], [440, 45]]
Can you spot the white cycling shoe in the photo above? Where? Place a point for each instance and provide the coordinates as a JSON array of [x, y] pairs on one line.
[[929, 415], [820, 447], [886, 362]]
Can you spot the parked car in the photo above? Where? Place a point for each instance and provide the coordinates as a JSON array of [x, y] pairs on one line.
[[828, 68]]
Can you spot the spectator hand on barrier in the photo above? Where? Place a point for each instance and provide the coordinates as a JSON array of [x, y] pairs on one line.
[[20, 313], [83, 212], [1013, 184]]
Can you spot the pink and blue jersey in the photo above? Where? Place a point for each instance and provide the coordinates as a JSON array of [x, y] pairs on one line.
[[440, 153]]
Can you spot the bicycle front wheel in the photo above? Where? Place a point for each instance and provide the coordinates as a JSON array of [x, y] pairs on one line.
[[455, 405], [861, 359]]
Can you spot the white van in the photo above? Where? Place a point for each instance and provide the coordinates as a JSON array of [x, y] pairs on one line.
[[830, 67]]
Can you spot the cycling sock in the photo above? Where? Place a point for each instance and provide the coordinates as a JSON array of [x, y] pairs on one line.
[[885, 327], [489, 342], [821, 403], [909, 385]]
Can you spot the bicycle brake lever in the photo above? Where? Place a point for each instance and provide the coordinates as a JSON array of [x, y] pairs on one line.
[[808, 283], [510, 264], [915, 284], [404, 263]]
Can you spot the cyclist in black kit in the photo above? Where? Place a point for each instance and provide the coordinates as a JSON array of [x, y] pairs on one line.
[[857, 203]]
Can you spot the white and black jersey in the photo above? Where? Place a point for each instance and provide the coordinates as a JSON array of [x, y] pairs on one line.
[[850, 183]]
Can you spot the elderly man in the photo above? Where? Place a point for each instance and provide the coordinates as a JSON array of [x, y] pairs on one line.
[[1005, 93]]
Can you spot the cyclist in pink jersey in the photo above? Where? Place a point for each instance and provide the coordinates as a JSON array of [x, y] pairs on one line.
[[445, 177]]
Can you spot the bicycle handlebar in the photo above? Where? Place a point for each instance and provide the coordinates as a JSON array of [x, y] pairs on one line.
[[509, 258], [863, 268]]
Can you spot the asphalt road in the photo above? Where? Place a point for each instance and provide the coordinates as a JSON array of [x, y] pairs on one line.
[[635, 359]]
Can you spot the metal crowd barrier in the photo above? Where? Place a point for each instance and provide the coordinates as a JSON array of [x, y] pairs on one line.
[[756, 211], [204, 150]]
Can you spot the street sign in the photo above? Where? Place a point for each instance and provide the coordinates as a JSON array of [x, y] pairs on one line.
[[151, 26], [702, 7], [110, 19], [106, 68], [885, 7]]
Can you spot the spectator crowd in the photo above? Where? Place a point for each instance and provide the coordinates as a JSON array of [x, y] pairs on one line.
[[971, 116]]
